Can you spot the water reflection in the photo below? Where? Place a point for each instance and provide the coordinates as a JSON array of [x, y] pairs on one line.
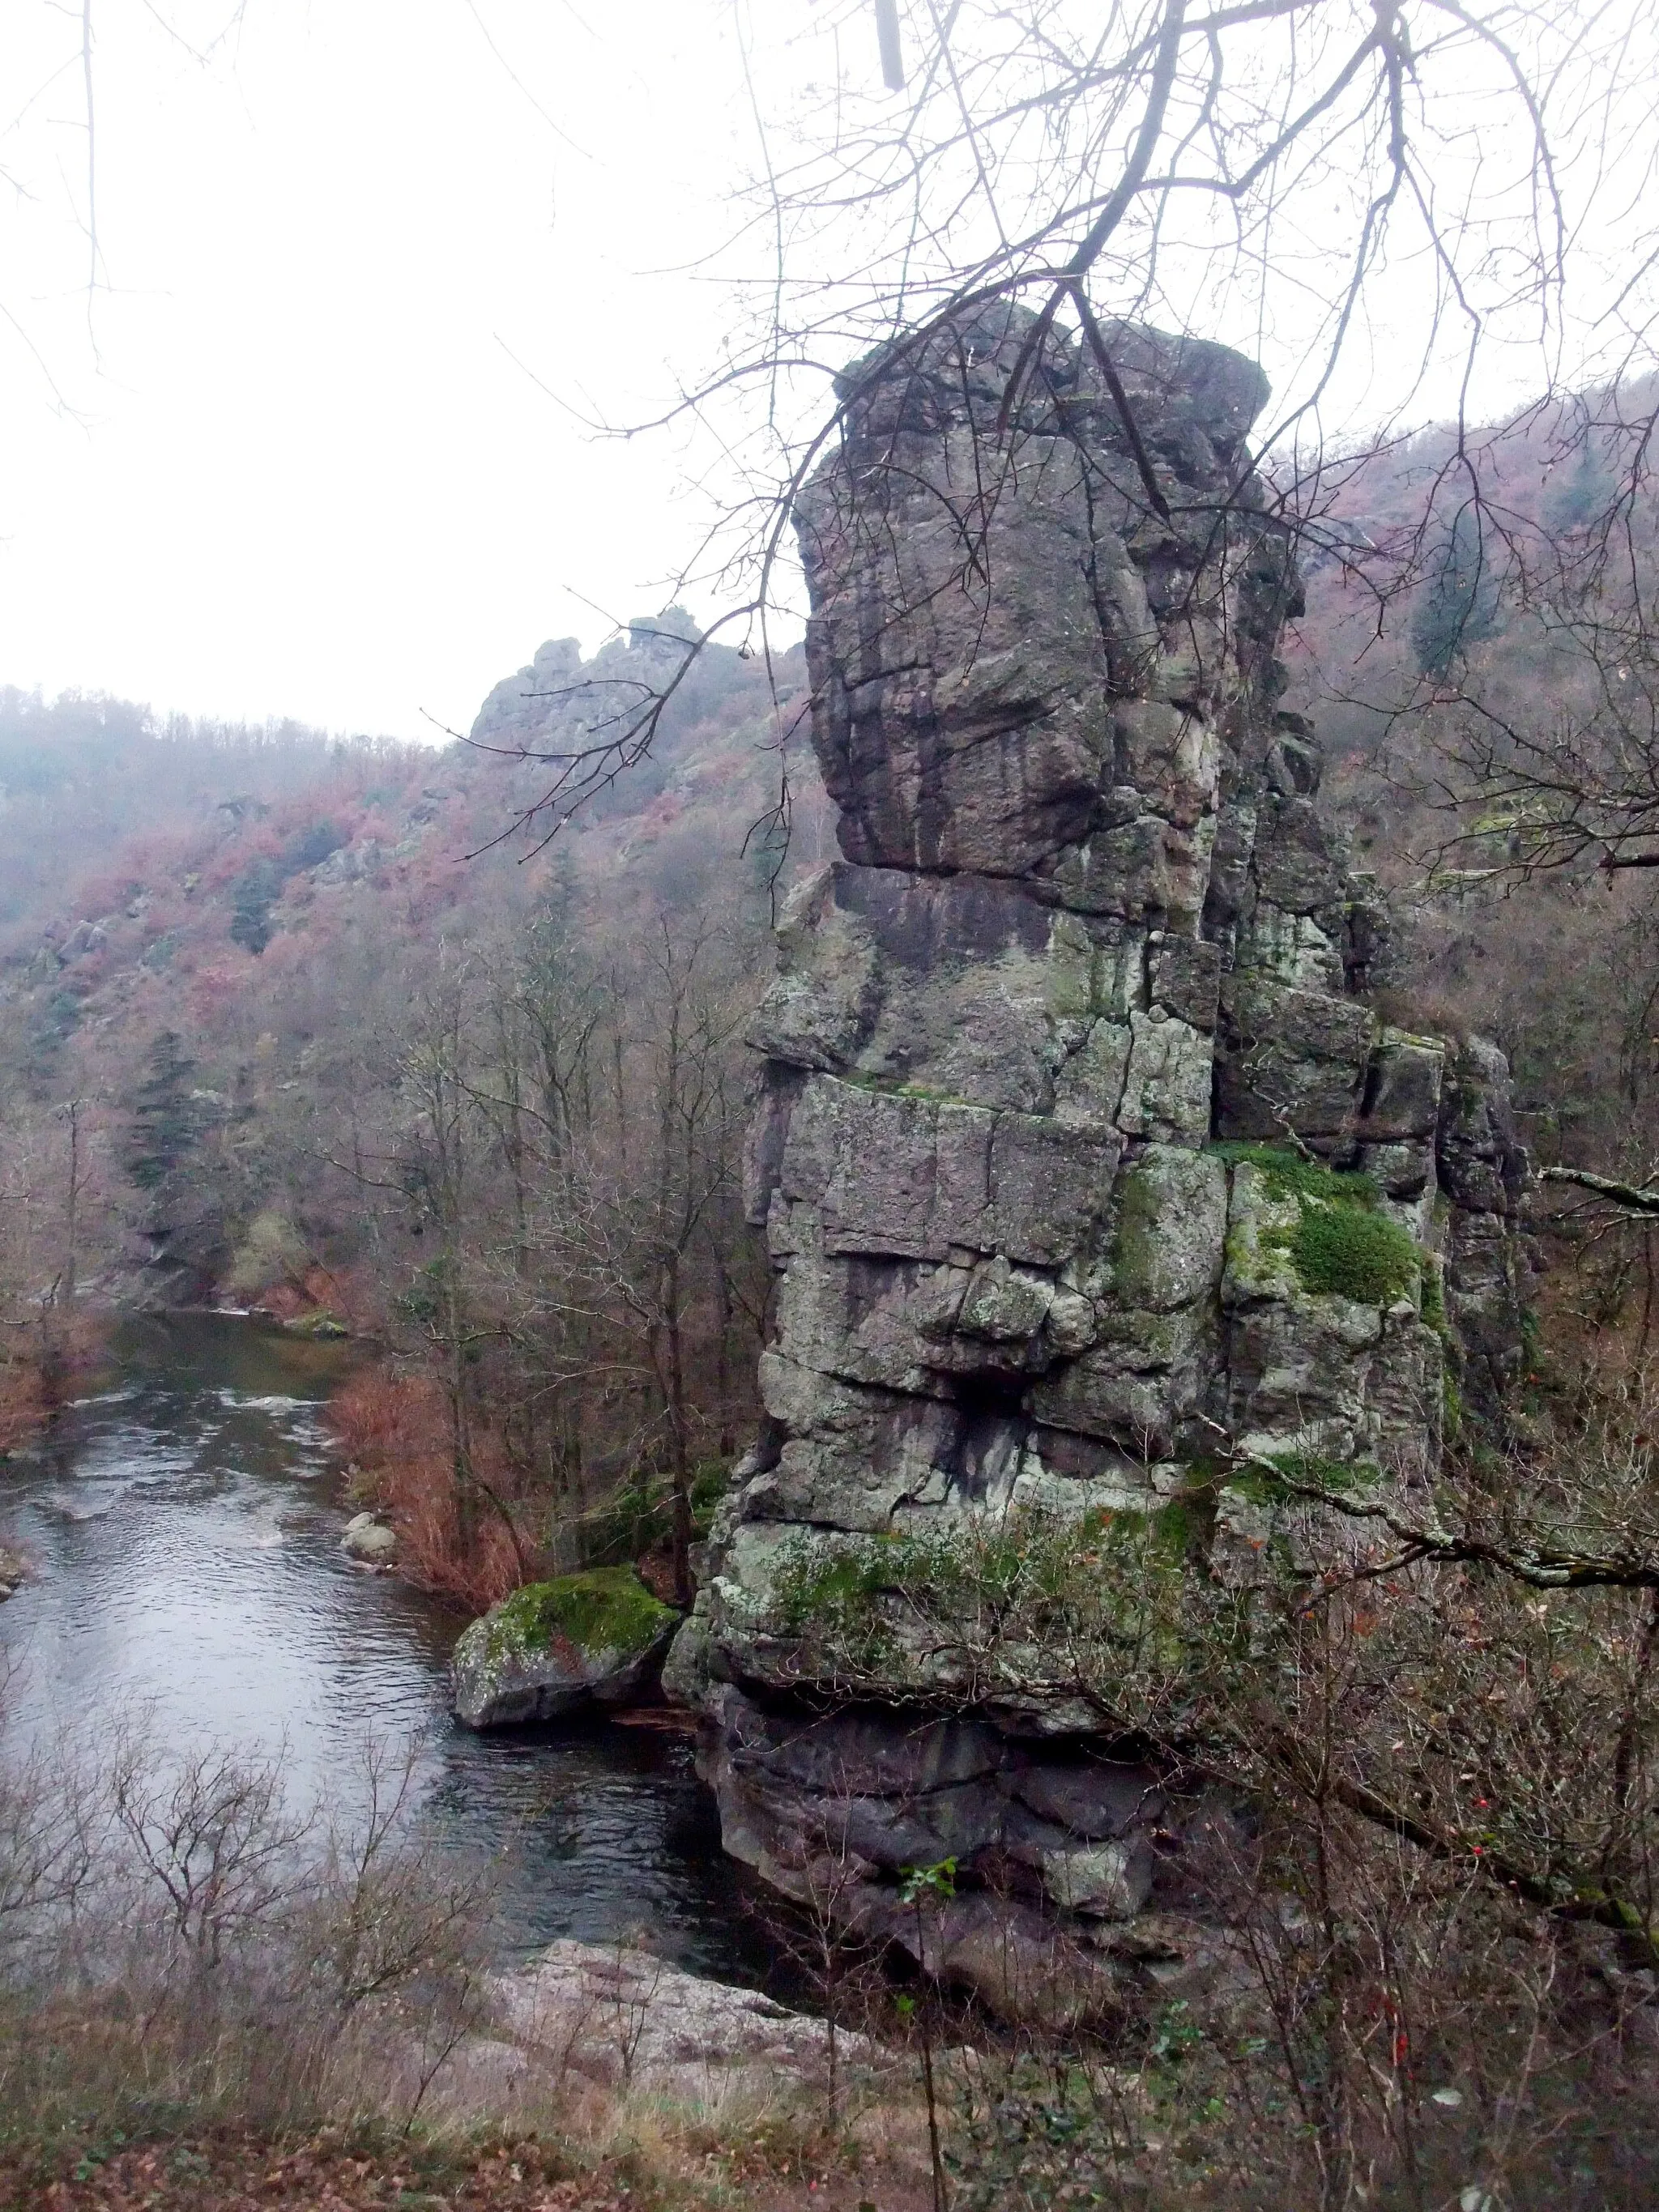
[[184, 1525]]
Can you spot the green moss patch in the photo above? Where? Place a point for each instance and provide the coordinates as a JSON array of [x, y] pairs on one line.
[[322, 1324], [1451, 1406], [1347, 1253], [1283, 1477], [1024, 1580], [893, 1086], [602, 1609], [964, 1618], [1287, 1175], [1343, 1245]]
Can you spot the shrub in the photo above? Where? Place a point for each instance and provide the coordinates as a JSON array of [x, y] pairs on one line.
[[272, 1252], [638, 1518], [1343, 1244], [182, 1943], [394, 1427], [1345, 1252]]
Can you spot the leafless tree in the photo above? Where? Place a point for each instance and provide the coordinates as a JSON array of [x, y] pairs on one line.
[[1392, 201]]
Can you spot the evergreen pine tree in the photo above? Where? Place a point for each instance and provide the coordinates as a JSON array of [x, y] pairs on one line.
[[163, 1118], [1459, 603]]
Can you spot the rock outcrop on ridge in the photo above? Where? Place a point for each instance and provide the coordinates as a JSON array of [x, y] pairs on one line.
[[1086, 1167]]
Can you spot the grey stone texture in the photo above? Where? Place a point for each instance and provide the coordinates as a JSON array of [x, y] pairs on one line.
[[1482, 1171], [497, 1682], [627, 2019], [369, 1541], [1089, 927]]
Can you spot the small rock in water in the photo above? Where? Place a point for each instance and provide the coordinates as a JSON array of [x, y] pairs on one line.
[[13, 1571], [319, 1324], [369, 1541]]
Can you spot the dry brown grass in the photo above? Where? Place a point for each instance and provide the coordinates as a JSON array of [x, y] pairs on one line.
[[210, 1997]]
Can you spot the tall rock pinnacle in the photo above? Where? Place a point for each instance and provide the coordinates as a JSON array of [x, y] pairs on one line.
[[1090, 1177]]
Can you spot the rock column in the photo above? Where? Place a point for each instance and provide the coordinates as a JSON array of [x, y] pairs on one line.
[[1062, 1059]]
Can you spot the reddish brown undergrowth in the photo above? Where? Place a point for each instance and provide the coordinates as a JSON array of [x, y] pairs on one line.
[[364, 2170], [23, 1404], [393, 1426], [318, 1291], [42, 1368]]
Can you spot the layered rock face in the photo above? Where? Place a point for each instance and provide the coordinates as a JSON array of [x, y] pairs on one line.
[[1069, 1069]]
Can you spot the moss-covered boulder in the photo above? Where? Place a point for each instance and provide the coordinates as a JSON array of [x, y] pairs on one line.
[[559, 1647]]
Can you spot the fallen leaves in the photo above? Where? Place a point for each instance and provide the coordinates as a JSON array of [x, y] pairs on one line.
[[248, 2174]]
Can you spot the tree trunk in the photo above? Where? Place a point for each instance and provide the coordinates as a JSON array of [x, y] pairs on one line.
[[679, 1439]]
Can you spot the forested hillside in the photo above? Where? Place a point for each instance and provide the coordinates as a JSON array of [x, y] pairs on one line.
[[394, 1037], [312, 1025], [1490, 742]]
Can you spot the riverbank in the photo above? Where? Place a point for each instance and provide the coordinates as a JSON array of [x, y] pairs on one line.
[[591, 2080], [184, 1520], [42, 1367], [391, 1430]]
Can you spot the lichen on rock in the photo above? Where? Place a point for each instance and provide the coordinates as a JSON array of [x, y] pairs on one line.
[[1091, 1177], [553, 1648]]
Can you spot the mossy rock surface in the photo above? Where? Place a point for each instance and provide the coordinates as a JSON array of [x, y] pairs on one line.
[[596, 1638], [1340, 1242], [602, 1609], [1342, 1251]]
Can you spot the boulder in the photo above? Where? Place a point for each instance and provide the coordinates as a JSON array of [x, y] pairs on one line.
[[1095, 1798], [624, 2018], [323, 1325], [580, 1641], [13, 1571], [369, 1541]]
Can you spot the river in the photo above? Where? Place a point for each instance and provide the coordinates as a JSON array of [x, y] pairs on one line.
[[182, 1521]]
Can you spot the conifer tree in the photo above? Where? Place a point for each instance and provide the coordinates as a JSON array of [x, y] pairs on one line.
[[163, 1118], [1459, 604]]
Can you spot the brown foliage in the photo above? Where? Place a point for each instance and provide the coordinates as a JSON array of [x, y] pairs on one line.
[[40, 1368], [227, 2172], [393, 1426], [318, 1290], [24, 1406]]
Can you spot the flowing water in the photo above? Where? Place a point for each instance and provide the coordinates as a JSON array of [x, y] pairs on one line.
[[184, 1527]]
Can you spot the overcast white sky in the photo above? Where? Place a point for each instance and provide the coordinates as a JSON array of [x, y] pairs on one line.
[[307, 459], [302, 473]]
